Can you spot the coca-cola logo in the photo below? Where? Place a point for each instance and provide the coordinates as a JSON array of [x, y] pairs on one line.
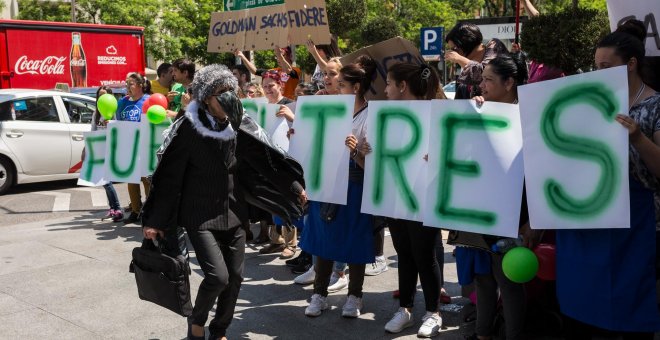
[[48, 65], [78, 62]]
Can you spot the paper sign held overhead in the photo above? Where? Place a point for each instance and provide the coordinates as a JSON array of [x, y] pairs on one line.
[[263, 28]]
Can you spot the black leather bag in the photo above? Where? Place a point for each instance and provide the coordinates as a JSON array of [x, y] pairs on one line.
[[162, 279], [467, 239]]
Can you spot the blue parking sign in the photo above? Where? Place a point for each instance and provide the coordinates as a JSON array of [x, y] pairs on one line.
[[431, 44]]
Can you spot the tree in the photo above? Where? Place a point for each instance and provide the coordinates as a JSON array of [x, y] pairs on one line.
[[44, 10]]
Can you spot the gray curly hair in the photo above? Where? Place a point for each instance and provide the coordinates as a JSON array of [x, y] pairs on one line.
[[209, 78]]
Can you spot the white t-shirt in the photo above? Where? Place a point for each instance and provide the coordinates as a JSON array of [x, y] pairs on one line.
[[360, 126]]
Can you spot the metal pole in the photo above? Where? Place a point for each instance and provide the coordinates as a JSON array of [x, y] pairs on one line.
[[73, 10]]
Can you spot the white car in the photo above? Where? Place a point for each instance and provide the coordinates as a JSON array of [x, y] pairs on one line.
[[41, 135], [450, 90]]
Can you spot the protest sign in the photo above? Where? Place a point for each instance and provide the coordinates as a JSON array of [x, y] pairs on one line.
[[475, 175], [321, 126], [647, 11], [91, 173], [395, 170], [252, 107], [263, 28], [153, 140], [124, 152], [385, 54], [576, 154]]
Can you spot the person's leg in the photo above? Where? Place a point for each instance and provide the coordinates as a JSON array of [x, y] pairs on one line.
[[423, 242], [136, 199], [357, 279], [407, 269], [513, 300], [232, 244], [323, 268], [276, 242], [147, 186], [440, 257], [290, 236], [486, 288], [113, 200], [216, 274], [380, 264]]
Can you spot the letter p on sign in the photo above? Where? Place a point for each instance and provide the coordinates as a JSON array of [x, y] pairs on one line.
[[431, 41]]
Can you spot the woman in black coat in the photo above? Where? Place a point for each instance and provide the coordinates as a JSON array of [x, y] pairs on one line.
[[195, 186]]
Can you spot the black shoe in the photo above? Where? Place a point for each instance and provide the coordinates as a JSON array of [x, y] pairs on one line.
[[294, 262], [301, 268], [132, 218]]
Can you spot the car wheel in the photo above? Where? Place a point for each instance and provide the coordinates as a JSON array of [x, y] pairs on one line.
[[6, 175]]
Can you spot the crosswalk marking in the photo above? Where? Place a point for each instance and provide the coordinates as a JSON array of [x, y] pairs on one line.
[[99, 198], [62, 200]]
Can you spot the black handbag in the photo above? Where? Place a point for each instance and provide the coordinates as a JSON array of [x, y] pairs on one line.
[[162, 279], [467, 239]]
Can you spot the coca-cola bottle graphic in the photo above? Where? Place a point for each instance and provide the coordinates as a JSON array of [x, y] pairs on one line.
[[77, 62]]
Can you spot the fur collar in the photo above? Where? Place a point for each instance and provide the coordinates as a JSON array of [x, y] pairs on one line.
[[192, 113]]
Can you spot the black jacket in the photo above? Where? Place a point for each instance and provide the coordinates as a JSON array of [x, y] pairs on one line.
[[196, 183]]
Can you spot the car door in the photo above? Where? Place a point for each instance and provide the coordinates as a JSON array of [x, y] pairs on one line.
[[35, 133], [79, 112]]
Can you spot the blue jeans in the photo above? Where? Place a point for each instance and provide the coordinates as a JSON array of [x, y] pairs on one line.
[[113, 200]]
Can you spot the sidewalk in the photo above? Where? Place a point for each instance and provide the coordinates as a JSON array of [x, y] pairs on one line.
[[68, 279]]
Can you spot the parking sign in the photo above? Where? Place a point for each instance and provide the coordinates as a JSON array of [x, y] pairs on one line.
[[431, 44]]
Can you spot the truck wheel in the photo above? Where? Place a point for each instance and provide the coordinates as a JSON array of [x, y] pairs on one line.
[[6, 175]]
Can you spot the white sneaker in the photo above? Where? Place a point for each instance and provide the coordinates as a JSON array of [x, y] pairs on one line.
[[402, 319], [431, 325], [377, 267], [317, 305], [337, 283], [352, 307], [306, 277]]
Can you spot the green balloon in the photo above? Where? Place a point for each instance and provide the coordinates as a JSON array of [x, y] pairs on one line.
[[107, 105], [156, 114], [520, 264]]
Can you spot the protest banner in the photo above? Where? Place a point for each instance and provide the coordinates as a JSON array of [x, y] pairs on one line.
[[475, 175], [395, 170], [91, 173], [263, 28], [385, 54], [321, 126], [253, 108], [576, 154], [647, 11], [124, 152]]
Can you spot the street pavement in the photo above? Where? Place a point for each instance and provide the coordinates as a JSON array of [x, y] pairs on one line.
[[67, 278]]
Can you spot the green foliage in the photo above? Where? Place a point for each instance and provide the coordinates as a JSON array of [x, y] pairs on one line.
[[44, 10], [345, 15], [565, 39], [555, 6], [379, 29]]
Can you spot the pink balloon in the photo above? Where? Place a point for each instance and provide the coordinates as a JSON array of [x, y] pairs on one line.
[[547, 261], [158, 99], [146, 105]]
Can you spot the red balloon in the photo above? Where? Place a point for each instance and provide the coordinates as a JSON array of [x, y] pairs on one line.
[[547, 261], [146, 105], [158, 99]]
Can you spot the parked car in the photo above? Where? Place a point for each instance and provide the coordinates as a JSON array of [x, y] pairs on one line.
[[41, 135], [118, 90], [450, 90]]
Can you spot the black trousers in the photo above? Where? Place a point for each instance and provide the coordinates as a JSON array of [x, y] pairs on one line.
[[415, 249], [323, 270], [220, 254]]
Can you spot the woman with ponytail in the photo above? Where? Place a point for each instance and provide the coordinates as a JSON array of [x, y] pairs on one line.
[[414, 243], [341, 232]]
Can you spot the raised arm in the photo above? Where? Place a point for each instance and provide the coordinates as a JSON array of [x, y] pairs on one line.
[[311, 47], [281, 61], [530, 9], [250, 66]]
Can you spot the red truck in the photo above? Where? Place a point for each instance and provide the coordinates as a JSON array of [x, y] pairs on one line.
[[39, 54]]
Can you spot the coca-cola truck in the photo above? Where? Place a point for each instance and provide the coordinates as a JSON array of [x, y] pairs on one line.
[[40, 54]]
